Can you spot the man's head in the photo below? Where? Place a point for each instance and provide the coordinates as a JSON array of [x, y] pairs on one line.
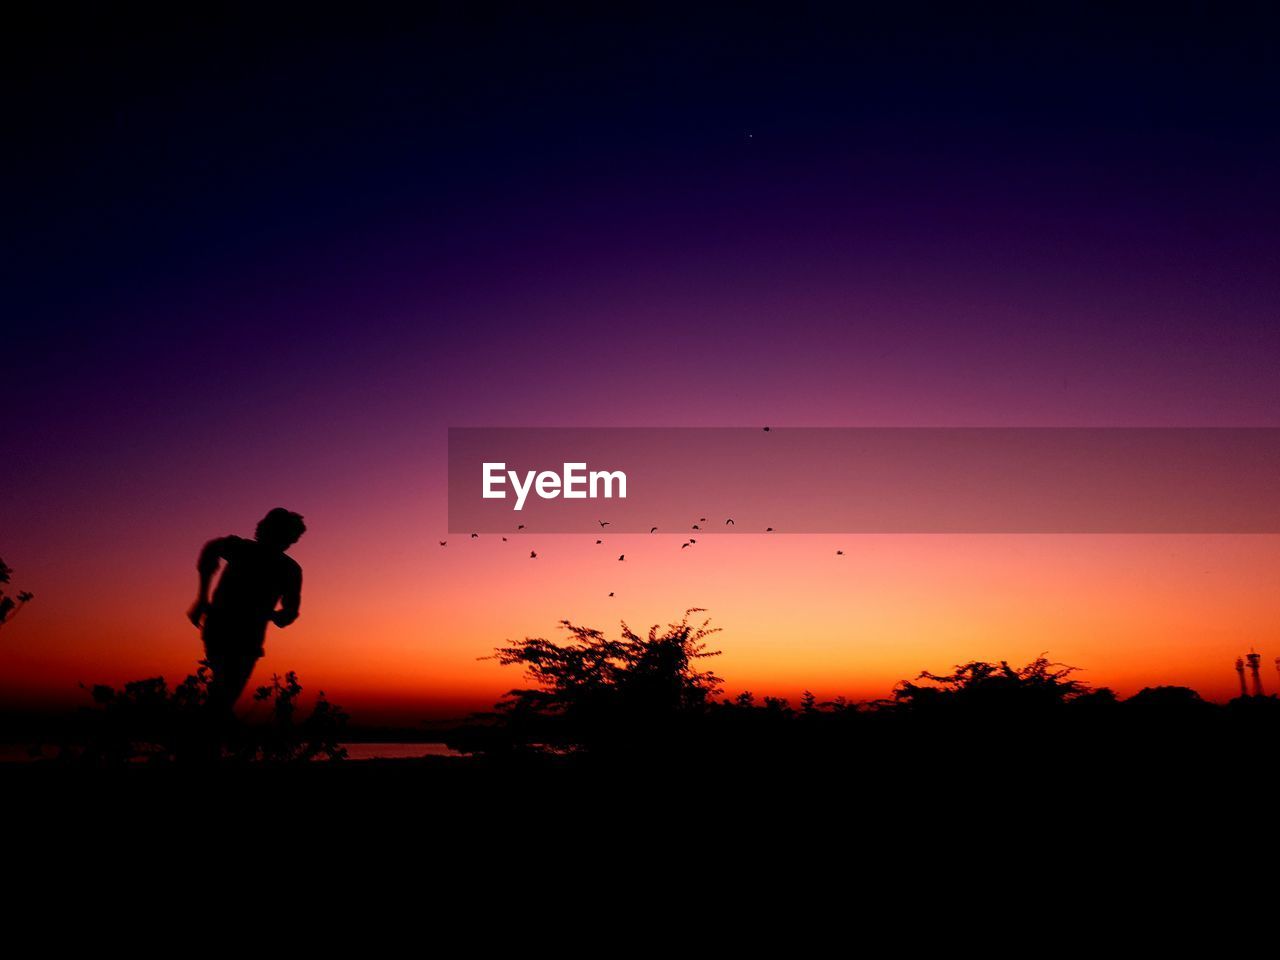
[[280, 528]]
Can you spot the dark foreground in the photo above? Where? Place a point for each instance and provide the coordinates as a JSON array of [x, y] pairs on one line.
[[1055, 778]]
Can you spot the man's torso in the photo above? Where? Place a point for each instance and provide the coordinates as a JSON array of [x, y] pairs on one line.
[[251, 585]]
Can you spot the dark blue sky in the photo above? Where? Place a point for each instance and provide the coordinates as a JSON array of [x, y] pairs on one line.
[[233, 173], [168, 144]]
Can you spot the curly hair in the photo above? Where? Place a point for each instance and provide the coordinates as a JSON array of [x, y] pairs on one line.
[[281, 526]]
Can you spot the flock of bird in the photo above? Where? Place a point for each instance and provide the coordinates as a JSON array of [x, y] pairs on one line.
[[533, 554], [729, 522]]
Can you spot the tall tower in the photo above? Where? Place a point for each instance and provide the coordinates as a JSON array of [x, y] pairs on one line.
[[1255, 664], [1244, 691]]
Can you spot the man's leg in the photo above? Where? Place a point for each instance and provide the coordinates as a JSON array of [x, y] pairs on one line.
[[230, 675]]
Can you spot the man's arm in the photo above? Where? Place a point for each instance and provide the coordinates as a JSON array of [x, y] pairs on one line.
[[214, 552], [290, 599]]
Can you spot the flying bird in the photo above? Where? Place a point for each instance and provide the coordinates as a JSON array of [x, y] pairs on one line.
[[611, 593], [683, 545], [504, 539], [839, 553], [521, 527], [691, 540], [443, 542], [702, 519], [768, 529], [622, 556], [474, 536], [695, 527], [603, 523], [729, 521], [599, 541], [653, 529], [766, 429], [533, 554]]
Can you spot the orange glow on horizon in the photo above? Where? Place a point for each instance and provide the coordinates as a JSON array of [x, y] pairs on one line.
[[405, 645]]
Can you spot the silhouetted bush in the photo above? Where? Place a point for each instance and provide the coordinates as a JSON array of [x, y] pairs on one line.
[[978, 687], [596, 691], [287, 740], [639, 696], [10, 604], [1168, 700], [144, 721]]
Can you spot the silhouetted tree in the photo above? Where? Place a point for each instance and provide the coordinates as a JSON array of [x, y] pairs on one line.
[[598, 689], [1166, 697], [10, 604], [978, 686], [778, 705], [1095, 703]]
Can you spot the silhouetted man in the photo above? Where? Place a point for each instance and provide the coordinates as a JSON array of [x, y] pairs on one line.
[[259, 584]]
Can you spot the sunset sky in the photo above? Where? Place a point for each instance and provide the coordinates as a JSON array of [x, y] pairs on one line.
[[273, 266]]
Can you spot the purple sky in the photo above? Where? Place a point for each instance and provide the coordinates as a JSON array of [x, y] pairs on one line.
[[275, 265]]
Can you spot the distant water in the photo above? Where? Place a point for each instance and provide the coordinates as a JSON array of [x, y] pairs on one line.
[[398, 751], [20, 753]]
